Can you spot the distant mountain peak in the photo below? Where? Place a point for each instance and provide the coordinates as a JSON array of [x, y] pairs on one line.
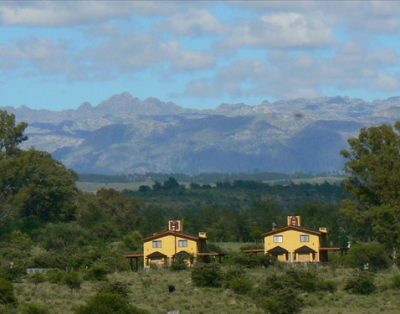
[[121, 100], [85, 106]]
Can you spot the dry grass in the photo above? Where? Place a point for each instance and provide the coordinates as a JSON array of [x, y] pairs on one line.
[[149, 290]]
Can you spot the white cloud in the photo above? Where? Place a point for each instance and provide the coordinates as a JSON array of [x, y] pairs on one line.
[[282, 30], [38, 56], [66, 13], [133, 51], [284, 75], [195, 22]]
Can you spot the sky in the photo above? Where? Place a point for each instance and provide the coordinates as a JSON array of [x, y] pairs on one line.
[[57, 55]]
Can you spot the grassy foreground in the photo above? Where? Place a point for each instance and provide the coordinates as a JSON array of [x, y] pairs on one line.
[[149, 290]]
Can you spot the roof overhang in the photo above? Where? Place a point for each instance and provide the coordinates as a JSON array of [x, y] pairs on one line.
[[286, 228], [173, 233], [304, 250], [277, 250]]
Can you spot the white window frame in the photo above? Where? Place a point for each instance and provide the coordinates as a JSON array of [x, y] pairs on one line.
[[278, 238], [304, 238], [156, 244], [182, 243]]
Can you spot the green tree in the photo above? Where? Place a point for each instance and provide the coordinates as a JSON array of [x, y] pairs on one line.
[[120, 209], [37, 187], [373, 182], [11, 134]]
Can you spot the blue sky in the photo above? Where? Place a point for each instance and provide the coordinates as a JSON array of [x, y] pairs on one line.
[[56, 54]]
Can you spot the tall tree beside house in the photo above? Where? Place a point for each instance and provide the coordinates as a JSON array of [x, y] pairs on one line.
[[373, 166], [33, 186]]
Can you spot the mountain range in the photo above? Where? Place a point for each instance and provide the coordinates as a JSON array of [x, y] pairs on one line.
[[127, 135]]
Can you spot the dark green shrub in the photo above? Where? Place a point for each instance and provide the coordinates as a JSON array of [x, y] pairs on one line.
[[7, 295], [251, 260], [32, 308], [361, 282], [73, 280], [372, 254], [234, 272], [37, 278], [304, 280], [179, 263], [326, 285], [50, 259], [115, 287], [12, 274], [283, 301], [106, 303], [395, 281], [97, 271], [240, 285], [207, 275], [278, 294], [236, 280], [55, 276]]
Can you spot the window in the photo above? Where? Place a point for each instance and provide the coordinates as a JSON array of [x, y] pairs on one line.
[[182, 243], [278, 239], [157, 243], [304, 238]]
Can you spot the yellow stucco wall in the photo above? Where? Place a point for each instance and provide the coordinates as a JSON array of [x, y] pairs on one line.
[[291, 242], [168, 246]]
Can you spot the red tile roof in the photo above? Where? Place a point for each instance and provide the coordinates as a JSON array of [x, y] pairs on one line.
[[170, 232], [301, 229]]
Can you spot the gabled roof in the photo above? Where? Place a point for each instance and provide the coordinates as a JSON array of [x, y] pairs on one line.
[[305, 250], [182, 253], [278, 250], [300, 229], [173, 233], [156, 255]]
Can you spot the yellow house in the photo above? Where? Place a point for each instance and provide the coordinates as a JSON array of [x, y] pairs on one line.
[[294, 243], [161, 249]]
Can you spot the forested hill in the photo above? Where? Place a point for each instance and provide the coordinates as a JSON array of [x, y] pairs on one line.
[[241, 210], [127, 135]]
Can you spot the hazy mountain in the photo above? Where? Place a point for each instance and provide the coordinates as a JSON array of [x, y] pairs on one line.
[[125, 134]]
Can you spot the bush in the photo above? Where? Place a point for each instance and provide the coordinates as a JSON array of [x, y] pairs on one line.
[[97, 271], [395, 281], [240, 285], [326, 285], [72, 280], [7, 295], [179, 263], [115, 287], [106, 303], [33, 309], [207, 275], [251, 260], [372, 253], [55, 276], [37, 278], [283, 301], [361, 282], [280, 294]]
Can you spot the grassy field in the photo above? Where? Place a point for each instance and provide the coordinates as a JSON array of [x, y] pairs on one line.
[[149, 290], [134, 186]]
